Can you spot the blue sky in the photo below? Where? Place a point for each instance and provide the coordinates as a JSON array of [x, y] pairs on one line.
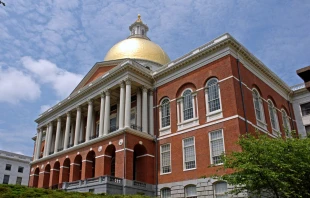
[[46, 47]]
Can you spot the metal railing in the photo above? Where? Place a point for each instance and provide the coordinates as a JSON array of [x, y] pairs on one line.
[[51, 152], [70, 145], [93, 137], [136, 127], [60, 149], [81, 141], [113, 128]]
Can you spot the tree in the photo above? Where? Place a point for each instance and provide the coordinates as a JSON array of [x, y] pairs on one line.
[[269, 167]]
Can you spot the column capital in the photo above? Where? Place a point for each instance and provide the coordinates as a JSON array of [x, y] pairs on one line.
[[90, 101], [122, 84], [78, 108], [59, 119], [128, 81], [68, 114], [150, 91], [102, 94], [107, 92], [144, 88]]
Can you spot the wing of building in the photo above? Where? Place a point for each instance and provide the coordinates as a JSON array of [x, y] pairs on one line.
[[140, 123]]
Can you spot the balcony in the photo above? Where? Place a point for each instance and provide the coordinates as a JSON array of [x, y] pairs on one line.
[[136, 127], [110, 185], [113, 128], [60, 149], [93, 137]]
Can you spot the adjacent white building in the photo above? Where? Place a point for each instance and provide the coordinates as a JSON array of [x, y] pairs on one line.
[[301, 106], [14, 168]]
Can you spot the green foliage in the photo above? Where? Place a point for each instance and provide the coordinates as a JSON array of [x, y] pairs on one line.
[[17, 191], [273, 167]]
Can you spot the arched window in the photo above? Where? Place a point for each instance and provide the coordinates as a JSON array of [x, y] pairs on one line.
[[220, 188], [190, 191], [259, 109], [142, 31], [165, 113], [165, 193], [188, 105], [286, 123], [273, 117], [213, 95], [213, 100]]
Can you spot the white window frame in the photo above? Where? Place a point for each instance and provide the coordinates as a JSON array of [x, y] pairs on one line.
[[275, 130], [185, 192], [301, 109], [183, 149], [219, 194], [210, 145], [286, 119], [114, 115], [162, 194], [161, 168], [260, 122], [184, 124], [133, 110], [213, 115], [167, 129]]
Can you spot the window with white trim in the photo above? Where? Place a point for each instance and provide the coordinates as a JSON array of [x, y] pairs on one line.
[[286, 123], [165, 113], [216, 146], [273, 117], [213, 100], [165, 158], [189, 153], [19, 180], [165, 193], [259, 109], [186, 109], [305, 109], [190, 191], [220, 189], [307, 128], [188, 112]]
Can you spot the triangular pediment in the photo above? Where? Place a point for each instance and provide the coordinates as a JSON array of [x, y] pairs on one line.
[[96, 71]]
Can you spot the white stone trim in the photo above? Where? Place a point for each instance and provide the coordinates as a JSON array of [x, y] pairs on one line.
[[54, 169], [74, 164], [87, 161], [64, 167], [127, 149], [103, 156], [145, 155]]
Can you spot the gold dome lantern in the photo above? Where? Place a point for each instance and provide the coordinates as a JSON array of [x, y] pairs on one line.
[[138, 46]]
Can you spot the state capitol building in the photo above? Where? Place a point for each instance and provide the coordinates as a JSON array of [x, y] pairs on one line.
[[141, 123]]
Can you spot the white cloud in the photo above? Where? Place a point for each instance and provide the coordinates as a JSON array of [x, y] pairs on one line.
[[16, 86], [62, 81]]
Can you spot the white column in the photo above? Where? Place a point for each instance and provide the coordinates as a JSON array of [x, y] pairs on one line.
[[39, 143], [106, 125], [121, 106], [77, 125], [71, 134], [151, 118], [89, 120], [128, 103], [101, 114], [57, 135], [144, 110], [68, 123], [49, 139], [46, 140], [138, 107], [36, 146], [82, 129]]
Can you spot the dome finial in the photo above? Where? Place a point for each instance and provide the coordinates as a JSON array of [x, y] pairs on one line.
[[139, 18]]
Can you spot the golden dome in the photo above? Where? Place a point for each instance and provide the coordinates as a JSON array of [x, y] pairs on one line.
[[138, 48]]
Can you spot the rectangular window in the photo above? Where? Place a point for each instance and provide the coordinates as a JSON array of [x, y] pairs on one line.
[[165, 158], [216, 146], [6, 179], [8, 167], [20, 169], [220, 190], [189, 153], [305, 109], [19, 180]]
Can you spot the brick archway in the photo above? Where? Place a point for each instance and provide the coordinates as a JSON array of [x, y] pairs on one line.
[[65, 171], [55, 175], [90, 165], [36, 178], [109, 162], [139, 163], [76, 168], [46, 176]]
